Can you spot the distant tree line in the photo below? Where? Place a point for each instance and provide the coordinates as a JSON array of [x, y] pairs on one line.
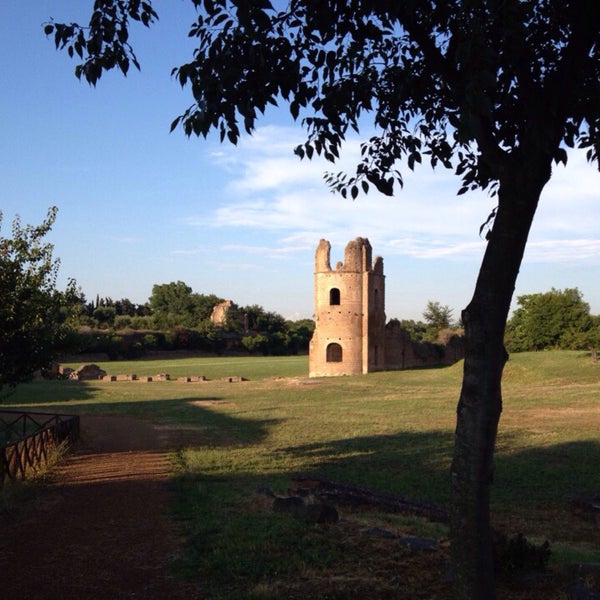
[[553, 320], [40, 322], [177, 318]]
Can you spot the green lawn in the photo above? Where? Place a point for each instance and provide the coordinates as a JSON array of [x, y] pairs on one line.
[[392, 431], [254, 367]]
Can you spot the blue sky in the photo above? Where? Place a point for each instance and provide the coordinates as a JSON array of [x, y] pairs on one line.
[[139, 206]]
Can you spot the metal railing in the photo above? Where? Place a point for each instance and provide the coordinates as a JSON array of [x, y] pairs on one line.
[[28, 438]]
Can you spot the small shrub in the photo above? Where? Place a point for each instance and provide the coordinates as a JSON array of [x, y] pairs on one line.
[[518, 554]]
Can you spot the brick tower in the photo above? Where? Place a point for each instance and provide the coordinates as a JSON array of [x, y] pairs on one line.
[[349, 303]]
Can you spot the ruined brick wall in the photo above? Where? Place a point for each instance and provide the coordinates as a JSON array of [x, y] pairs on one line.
[[351, 336], [218, 316], [349, 303], [375, 341], [401, 352]]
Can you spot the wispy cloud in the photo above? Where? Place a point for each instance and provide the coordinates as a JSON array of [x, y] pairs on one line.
[[581, 250], [282, 251], [124, 239], [237, 267], [434, 248], [271, 190], [189, 251]]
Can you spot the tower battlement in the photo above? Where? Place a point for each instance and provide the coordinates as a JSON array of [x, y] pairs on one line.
[[349, 305]]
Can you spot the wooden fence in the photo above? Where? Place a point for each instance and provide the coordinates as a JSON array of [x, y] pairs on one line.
[[28, 438]]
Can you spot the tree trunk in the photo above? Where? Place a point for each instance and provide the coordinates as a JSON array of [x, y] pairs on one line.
[[480, 402]]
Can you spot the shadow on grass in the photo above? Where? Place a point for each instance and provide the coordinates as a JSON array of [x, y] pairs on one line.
[[48, 392], [215, 427], [550, 475], [408, 463], [233, 534], [418, 465], [235, 540]]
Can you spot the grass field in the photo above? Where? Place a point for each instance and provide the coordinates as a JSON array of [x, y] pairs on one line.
[[392, 431]]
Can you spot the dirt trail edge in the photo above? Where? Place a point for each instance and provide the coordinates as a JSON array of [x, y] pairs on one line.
[[99, 527]]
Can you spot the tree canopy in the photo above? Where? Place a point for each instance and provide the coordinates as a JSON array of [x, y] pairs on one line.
[[496, 90], [469, 85], [176, 304], [177, 318], [32, 310], [437, 316], [554, 319]]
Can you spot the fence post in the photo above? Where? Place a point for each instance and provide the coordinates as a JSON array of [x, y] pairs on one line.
[[27, 452]]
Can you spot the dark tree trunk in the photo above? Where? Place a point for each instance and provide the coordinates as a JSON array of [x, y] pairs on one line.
[[480, 402]]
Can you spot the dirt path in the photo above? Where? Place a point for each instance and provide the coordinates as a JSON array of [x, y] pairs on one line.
[[99, 528]]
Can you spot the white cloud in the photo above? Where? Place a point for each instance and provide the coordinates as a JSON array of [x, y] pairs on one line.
[[237, 267], [269, 189], [553, 251], [283, 251], [432, 248], [190, 252], [124, 239], [570, 203]]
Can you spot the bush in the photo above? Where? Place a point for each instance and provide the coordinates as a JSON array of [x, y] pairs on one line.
[[122, 322]]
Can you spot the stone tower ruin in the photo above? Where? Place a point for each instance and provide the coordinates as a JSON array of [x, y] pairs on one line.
[[349, 305]]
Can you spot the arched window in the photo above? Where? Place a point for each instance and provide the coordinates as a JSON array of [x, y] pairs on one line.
[[334, 353], [334, 296]]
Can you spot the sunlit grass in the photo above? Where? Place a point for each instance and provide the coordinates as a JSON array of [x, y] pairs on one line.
[[392, 431], [254, 367]]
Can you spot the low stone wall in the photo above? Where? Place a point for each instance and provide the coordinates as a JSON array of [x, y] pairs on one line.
[[167, 377]]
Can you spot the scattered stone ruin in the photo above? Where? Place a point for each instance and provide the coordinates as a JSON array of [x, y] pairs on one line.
[[83, 373], [351, 336], [220, 311], [92, 372]]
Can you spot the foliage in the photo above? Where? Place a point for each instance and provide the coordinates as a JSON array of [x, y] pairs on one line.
[[438, 320], [299, 334], [106, 313], [440, 80], [175, 304], [255, 343], [417, 330], [558, 319], [261, 320], [107, 37], [179, 319], [519, 554], [438, 317], [32, 311]]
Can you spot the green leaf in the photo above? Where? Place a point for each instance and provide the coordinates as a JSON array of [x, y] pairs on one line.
[[218, 20], [294, 109]]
